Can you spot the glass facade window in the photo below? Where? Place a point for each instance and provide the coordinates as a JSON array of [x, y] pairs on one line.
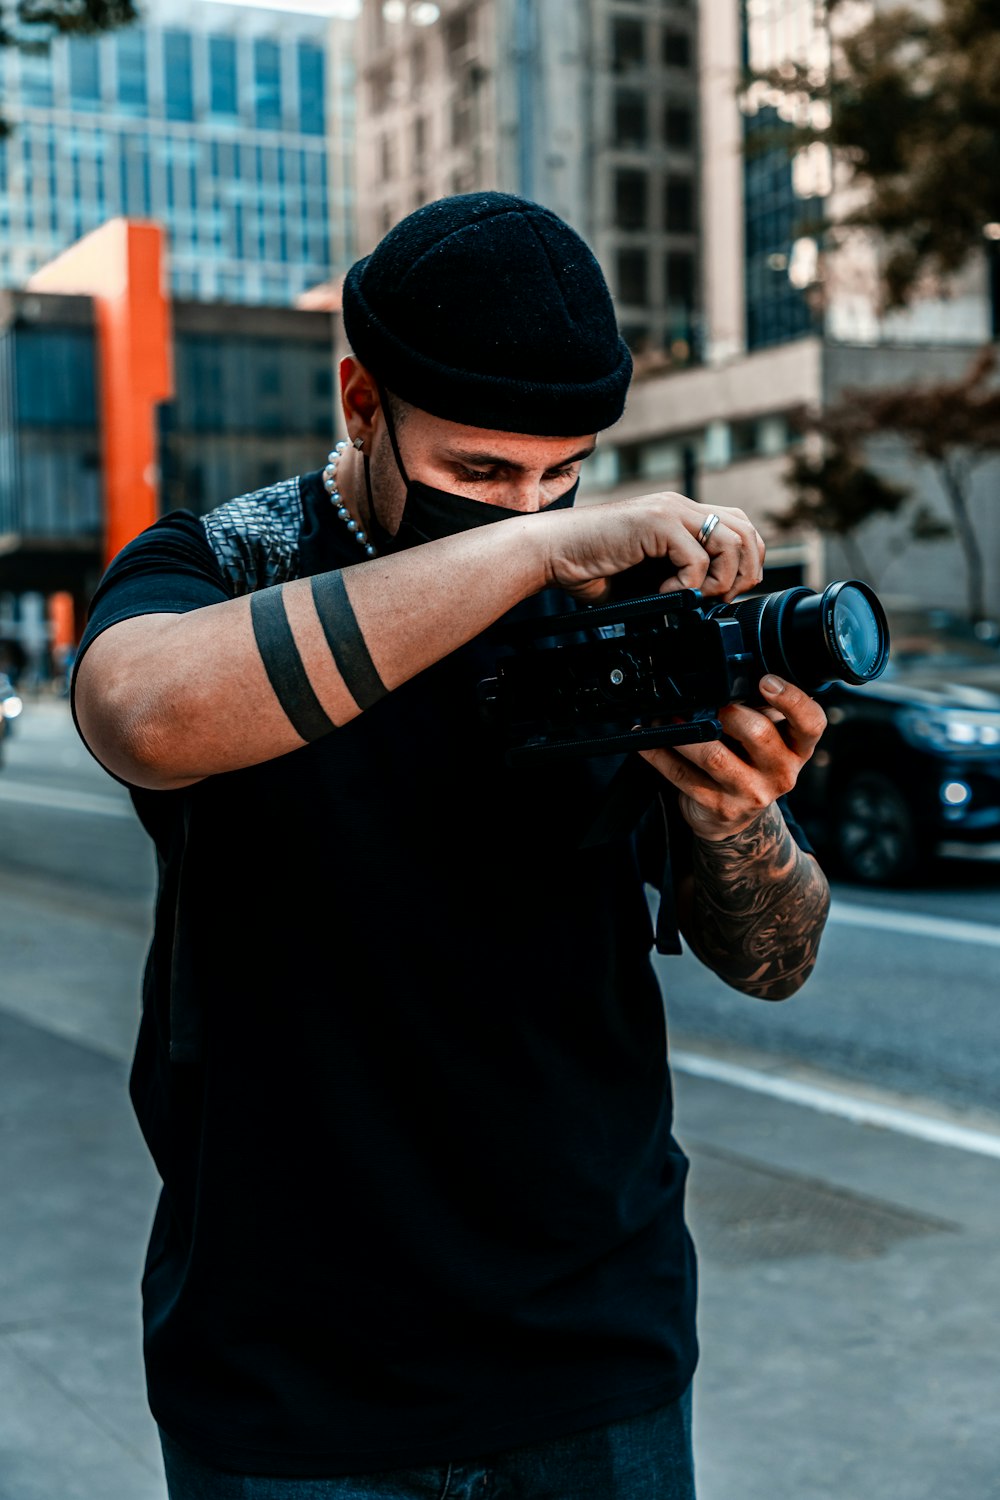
[[55, 378], [36, 78], [250, 385], [630, 454], [631, 128], [145, 176], [178, 86], [678, 126], [678, 207], [628, 43], [680, 279], [631, 199], [84, 56], [49, 463], [744, 439], [267, 84], [677, 50], [633, 276], [223, 88], [245, 214], [774, 216], [312, 86], [130, 62]]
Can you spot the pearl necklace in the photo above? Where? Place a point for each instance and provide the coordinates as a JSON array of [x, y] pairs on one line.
[[330, 485]]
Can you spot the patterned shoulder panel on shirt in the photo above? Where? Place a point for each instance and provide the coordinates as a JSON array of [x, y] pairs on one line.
[[256, 537]]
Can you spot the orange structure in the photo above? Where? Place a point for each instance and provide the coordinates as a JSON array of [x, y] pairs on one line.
[[62, 621], [121, 266]]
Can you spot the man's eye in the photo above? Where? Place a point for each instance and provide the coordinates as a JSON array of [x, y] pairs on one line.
[[475, 476], [561, 473]]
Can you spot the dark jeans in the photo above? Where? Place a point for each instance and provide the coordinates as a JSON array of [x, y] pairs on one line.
[[643, 1458]]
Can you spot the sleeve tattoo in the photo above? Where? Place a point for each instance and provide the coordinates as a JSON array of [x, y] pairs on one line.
[[760, 905]]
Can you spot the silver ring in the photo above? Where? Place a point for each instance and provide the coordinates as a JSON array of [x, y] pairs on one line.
[[708, 526]]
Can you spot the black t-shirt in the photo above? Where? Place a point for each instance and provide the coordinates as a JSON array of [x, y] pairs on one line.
[[402, 1067]]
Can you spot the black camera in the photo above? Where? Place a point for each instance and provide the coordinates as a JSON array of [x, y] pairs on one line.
[[655, 670]]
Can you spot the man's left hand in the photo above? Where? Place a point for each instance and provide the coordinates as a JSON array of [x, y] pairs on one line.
[[723, 789]]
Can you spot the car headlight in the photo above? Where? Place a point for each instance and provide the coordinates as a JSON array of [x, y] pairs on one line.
[[966, 731]]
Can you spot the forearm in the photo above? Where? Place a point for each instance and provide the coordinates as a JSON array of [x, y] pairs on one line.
[[758, 907], [165, 700]]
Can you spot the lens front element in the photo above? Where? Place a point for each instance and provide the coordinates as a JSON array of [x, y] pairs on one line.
[[857, 635]]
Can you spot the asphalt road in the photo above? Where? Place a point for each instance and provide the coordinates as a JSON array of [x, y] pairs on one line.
[[849, 1296], [904, 996]]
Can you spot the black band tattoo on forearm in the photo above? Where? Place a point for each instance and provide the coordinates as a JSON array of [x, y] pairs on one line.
[[760, 908], [344, 638], [283, 666]]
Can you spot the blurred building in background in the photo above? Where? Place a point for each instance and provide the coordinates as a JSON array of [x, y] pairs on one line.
[[110, 415], [788, 324], [230, 124], [588, 106]]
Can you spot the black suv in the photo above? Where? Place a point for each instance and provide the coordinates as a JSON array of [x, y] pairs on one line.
[[909, 767]]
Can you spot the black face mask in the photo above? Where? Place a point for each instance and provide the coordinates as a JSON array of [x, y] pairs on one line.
[[429, 514]]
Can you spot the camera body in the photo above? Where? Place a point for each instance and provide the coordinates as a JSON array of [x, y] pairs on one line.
[[655, 670]]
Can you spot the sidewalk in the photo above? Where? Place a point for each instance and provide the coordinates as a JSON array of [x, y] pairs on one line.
[[850, 1301]]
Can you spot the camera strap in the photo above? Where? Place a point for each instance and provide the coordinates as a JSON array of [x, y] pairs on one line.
[[668, 932], [633, 790]]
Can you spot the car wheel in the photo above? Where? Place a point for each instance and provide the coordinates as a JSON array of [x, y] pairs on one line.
[[874, 831]]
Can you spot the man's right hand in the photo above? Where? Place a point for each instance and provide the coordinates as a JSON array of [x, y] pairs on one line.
[[588, 546]]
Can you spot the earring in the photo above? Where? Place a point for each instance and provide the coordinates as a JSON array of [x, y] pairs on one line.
[[359, 443]]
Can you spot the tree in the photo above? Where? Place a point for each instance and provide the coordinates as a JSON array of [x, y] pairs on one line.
[[911, 109], [953, 425], [834, 492], [31, 25]]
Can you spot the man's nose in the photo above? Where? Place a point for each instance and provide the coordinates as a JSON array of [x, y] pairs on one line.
[[526, 494]]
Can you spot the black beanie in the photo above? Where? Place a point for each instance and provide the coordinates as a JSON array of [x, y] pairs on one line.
[[489, 310]]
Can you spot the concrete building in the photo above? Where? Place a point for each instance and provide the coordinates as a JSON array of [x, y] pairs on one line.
[[231, 124], [588, 106], [788, 324], [627, 119]]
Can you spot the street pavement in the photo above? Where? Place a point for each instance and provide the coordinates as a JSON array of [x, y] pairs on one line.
[[845, 1199]]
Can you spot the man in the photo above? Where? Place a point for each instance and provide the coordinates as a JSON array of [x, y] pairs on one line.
[[402, 1064]]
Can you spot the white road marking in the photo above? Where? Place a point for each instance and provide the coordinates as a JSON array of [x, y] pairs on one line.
[[914, 924], [28, 794], [830, 1101]]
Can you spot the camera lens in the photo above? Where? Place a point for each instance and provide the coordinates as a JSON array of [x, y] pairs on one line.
[[809, 638], [857, 639]]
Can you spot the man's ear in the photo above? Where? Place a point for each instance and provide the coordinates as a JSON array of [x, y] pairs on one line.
[[359, 398]]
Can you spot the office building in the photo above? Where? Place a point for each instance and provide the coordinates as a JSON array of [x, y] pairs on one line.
[[790, 322], [587, 106], [230, 124], [252, 404]]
